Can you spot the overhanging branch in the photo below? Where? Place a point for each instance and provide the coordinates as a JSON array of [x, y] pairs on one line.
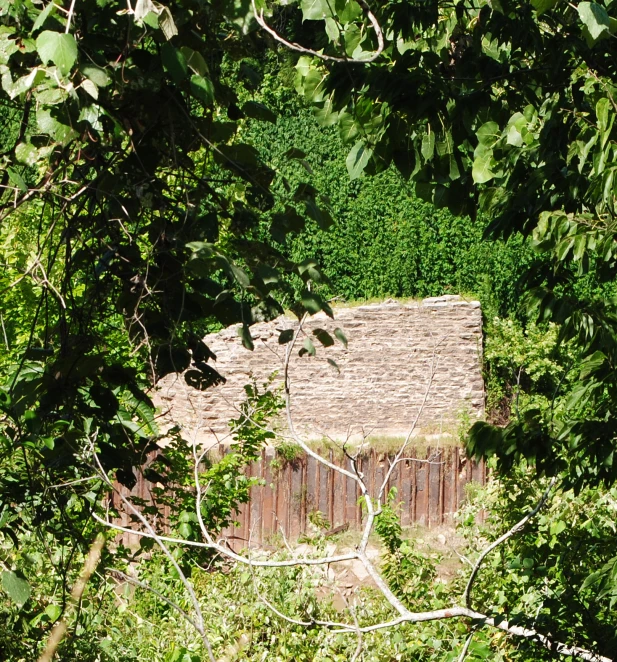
[[259, 17]]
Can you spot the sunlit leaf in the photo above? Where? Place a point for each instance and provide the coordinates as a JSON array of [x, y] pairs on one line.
[[15, 587], [59, 48]]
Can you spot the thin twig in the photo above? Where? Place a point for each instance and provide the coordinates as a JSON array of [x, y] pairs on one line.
[[259, 17], [508, 534], [463, 654]]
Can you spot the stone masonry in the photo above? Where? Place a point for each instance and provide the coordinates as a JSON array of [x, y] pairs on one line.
[[399, 356]]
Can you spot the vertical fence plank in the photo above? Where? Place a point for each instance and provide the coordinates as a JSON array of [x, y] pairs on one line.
[[434, 489], [295, 510], [429, 494], [269, 525], [322, 492], [303, 493], [312, 484], [351, 502], [413, 502], [422, 485], [362, 471], [405, 487]]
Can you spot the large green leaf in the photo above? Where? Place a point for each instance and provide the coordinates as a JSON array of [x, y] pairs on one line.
[[324, 337], [174, 62], [59, 48], [16, 588], [166, 23], [315, 10], [60, 132], [43, 16], [26, 153], [595, 19], [314, 303], [481, 171], [428, 146], [23, 84], [348, 10], [348, 128], [358, 159], [341, 336], [7, 48], [203, 89], [542, 6], [245, 334], [258, 111], [488, 133], [97, 75]]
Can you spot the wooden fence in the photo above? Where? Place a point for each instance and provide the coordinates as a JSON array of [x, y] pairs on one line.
[[428, 493]]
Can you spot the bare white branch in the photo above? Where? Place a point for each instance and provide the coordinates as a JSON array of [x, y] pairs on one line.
[[259, 17]]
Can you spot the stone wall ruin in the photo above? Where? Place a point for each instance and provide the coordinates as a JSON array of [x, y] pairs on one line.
[[382, 378]]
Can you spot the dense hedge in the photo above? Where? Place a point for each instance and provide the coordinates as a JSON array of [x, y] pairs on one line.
[[385, 242]]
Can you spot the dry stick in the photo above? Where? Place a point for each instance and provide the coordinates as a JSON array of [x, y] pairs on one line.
[[463, 654], [259, 17], [59, 630], [508, 534]]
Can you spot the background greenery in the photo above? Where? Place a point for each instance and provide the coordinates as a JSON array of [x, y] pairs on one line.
[[384, 240]]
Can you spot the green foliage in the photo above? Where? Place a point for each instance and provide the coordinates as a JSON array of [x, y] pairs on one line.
[[548, 575], [526, 369], [38, 570], [410, 574], [140, 207], [128, 205], [385, 241], [505, 110], [288, 452]]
